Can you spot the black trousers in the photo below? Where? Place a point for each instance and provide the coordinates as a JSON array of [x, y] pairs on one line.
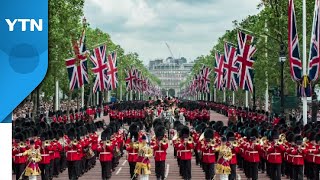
[[160, 169], [283, 168], [297, 172], [316, 168], [51, 168], [197, 157], [44, 171], [308, 170], [56, 167], [288, 170], [275, 171], [233, 175], [253, 170], [63, 161], [132, 167], [106, 171], [19, 168], [262, 164], [72, 170], [209, 170], [240, 161], [186, 168]]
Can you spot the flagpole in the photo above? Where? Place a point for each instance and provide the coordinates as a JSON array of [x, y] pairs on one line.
[[304, 67], [108, 96], [233, 97], [120, 91], [224, 96], [82, 96], [97, 97], [57, 96], [215, 95], [130, 95], [267, 83], [247, 99], [127, 96]]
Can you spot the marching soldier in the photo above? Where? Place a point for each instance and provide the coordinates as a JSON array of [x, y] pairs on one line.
[[185, 146], [143, 165], [297, 158], [160, 147], [73, 157], [233, 144], [223, 162], [208, 148], [105, 154], [132, 148], [45, 149], [32, 170], [252, 155], [19, 160]]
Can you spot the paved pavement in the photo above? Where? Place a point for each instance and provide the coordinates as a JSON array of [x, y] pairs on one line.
[[172, 169]]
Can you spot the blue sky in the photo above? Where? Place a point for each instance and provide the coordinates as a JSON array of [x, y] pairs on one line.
[[190, 27]]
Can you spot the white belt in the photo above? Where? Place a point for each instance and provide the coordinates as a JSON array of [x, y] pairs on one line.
[[106, 153], [208, 154], [184, 150]]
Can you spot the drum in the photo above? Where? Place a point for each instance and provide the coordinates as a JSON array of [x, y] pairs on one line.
[[72, 156], [89, 154], [105, 156], [20, 159], [45, 159]]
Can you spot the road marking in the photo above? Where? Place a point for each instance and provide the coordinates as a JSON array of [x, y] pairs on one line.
[[124, 162], [118, 170], [239, 177], [167, 171]]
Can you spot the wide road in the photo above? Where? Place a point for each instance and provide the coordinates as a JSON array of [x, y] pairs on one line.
[[172, 169]]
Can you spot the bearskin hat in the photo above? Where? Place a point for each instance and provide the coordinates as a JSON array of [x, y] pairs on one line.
[[298, 139], [72, 133], [134, 135], [184, 131], [230, 136], [133, 127], [208, 133], [43, 125], [158, 122], [297, 130], [60, 133], [274, 134], [160, 131], [317, 138], [254, 133], [176, 124], [223, 129], [19, 137], [44, 136]]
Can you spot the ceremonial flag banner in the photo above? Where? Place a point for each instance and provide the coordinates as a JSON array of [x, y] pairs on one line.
[[100, 68], [218, 81], [230, 67], [245, 61]]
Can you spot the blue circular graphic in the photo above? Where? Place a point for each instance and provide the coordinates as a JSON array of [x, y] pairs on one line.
[[24, 58]]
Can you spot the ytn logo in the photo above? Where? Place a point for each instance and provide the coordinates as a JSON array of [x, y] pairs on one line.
[[33, 24]]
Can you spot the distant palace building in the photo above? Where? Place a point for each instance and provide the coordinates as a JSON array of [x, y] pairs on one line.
[[171, 72]]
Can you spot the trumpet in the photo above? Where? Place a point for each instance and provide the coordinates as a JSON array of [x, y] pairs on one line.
[[190, 140], [263, 141], [74, 142], [22, 144], [164, 141], [108, 143], [279, 142], [47, 143], [212, 143], [235, 144]]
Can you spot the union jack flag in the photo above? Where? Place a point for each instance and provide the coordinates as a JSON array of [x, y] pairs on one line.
[[77, 66], [314, 45], [130, 79], [100, 68], [206, 80], [245, 61], [218, 81], [112, 71], [230, 67], [294, 55]]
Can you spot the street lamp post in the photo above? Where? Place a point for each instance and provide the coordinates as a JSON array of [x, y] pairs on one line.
[[282, 59]]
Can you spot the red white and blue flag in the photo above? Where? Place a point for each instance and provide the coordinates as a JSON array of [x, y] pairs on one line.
[[100, 68], [77, 66], [130, 79], [205, 79], [245, 52], [230, 67], [218, 81], [314, 57], [294, 55], [112, 70]]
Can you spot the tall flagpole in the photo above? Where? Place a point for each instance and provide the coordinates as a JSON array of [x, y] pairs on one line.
[[224, 96], [130, 95], [57, 96], [82, 96], [247, 99], [233, 97], [97, 97], [267, 83], [304, 67]]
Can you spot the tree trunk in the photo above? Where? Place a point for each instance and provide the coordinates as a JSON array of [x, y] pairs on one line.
[[68, 106]]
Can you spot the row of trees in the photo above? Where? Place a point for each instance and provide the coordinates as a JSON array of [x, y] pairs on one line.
[[64, 24], [270, 29]]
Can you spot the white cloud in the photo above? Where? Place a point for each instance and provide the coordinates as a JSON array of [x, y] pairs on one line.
[[190, 27]]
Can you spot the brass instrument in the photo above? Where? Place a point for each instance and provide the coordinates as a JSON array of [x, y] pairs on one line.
[[22, 144], [135, 145], [74, 142], [235, 144], [47, 143], [212, 143], [108, 143], [164, 141], [201, 136], [263, 141], [190, 140], [257, 141], [279, 142]]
